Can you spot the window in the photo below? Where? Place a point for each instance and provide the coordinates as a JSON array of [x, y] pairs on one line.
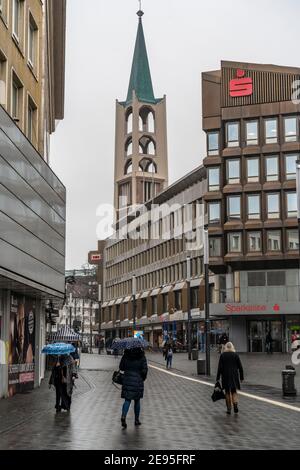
[[178, 300], [252, 132], [32, 42], [3, 9], [214, 247], [291, 204], [32, 121], [16, 99], [195, 297], [256, 279], [214, 179], [274, 240], [118, 312], [3, 79], [292, 240], [252, 170], [126, 311], [254, 242], [213, 143], [214, 212], [271, 131], [234, 242], [276, 278], [290, 166], [273, 206], [165, 299], [154, 305], [232, 134], [272, 172], [253, 206], [233, 171], [234, 207], [290, 129]]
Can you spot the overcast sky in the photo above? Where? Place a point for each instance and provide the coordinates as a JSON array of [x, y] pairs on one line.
[[184, 38]]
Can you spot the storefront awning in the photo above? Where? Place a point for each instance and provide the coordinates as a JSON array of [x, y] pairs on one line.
[[195, 282], [119, 301], [111, 303], [166, 289], [179, 286], [145, 294], [105, 304], [155, 292], [127, 299]]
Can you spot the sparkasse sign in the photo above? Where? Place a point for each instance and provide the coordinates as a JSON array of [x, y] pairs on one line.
[[241, 85], [260, 309]]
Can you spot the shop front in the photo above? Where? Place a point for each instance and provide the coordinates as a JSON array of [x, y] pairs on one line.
[[249, 324]]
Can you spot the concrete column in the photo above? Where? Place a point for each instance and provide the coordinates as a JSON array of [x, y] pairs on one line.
[[229, 287], [238, 333], [39, 343]]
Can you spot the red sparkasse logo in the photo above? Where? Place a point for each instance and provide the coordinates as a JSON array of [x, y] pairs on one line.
[[276, 308], [96, 257], [240, 86], [245, 308]]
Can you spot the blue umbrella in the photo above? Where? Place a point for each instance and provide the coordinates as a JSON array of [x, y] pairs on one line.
[[58, 349], [130, 343]]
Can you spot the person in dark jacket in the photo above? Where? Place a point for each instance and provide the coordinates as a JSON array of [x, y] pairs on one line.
[[222, 341], [134, 366], [269, 343], [231, 371], [62, 377]]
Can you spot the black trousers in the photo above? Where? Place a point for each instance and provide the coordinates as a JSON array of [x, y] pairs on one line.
[[63, 401]]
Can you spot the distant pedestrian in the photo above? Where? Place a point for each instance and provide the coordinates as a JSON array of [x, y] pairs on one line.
[[169, 356], [230, 370], [62, 377], [269, 343], [134, 366], [223, 340]]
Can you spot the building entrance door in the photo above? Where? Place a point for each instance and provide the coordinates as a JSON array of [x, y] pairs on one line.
[[257, 332]]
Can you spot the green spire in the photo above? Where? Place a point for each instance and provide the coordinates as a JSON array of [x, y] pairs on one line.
[[140, 78]]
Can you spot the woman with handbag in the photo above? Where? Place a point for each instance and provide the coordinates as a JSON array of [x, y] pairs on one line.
[[231, 372], [135, 368]]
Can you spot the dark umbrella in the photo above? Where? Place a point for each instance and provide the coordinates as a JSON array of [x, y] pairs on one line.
[[130, 343]]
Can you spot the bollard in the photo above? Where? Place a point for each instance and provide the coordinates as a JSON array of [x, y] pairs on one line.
[[288, 382]]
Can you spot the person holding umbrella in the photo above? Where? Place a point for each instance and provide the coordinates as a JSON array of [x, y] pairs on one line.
[[63, 374], [134, 366]]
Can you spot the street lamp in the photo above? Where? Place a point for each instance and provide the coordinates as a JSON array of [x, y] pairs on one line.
[[100, 315], [188, 286], [207, 319], [134, 302]]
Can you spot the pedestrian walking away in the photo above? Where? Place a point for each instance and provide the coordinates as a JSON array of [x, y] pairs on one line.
[[230, 371], [135, 368], [62, 378], [269, 343], [223, 340], [169, 356]]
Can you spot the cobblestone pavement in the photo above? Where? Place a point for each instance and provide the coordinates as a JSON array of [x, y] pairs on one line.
[[177, 413]]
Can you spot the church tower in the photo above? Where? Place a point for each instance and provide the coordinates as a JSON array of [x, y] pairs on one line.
[[141, 155]]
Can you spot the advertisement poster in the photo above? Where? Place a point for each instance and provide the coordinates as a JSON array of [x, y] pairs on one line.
[[21, 345]]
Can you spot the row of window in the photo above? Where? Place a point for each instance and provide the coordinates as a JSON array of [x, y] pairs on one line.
[[254, 207], [251, 133], [161, 277], [255, 242], [19, 102], [15, 11], [253, 170]]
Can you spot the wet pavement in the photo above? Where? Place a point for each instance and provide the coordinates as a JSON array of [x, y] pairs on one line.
[[177, 413]]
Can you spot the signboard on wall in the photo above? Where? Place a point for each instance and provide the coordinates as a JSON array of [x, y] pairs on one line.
[[276, 308], [21, 360]]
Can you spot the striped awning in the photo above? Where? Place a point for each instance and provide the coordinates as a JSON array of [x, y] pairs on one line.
[[64, 334]]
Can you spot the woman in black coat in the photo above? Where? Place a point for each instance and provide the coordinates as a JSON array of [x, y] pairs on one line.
[[231, 371], [134, 365]]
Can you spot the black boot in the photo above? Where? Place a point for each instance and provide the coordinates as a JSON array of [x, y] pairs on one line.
[[123, 421], [137, 422], [235, 407]]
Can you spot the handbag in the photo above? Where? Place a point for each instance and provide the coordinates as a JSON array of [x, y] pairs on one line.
[[218, 393], [117, 377]]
